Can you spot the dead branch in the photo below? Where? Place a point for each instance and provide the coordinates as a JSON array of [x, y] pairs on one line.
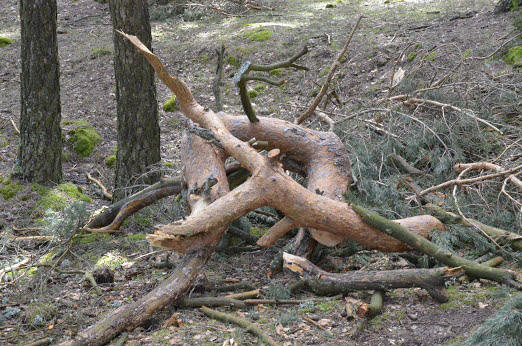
[[106, 193], [478, 166], [14, 126], [499, 235], [241, 78], [329, 77], [324, 283], [417, 101], [421, 244], [252, 328], [469, 180]]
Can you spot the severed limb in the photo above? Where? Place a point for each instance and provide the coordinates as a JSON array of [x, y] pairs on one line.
[[419, 243], [323, 283]]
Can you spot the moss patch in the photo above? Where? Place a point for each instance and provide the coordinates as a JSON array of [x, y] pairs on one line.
[[171, 104], [276, 72], [136, 237], [514, 56], [111, 161], [233, 61], [412, 56], [4, 41], [91, 238], [99, 52], [258, 36], [111, 259], [58, 197], [9, 188], [82, 137]]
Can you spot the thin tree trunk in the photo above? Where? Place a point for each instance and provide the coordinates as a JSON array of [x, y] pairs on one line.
[[138, 128], [40, 154]]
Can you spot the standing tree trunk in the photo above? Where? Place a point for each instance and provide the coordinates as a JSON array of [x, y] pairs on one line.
[[138, 128], [40, 154]]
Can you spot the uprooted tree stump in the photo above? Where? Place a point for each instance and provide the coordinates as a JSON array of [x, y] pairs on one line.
[[320, 156]]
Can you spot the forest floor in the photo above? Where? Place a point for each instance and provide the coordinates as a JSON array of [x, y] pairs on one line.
[[424, 39]]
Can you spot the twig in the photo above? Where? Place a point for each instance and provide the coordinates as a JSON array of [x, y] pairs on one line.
[[329, 77], [14, 125], [413, 100], [241, 78], [106, 193], [244, 295], [13, 267], [469, 180], [252, 328], [308, 319]]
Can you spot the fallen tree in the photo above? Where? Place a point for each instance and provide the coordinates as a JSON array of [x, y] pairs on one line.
[[319, 206]]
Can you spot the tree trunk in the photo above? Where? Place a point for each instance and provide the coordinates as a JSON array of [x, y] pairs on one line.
[[138, 128], [40, 155]]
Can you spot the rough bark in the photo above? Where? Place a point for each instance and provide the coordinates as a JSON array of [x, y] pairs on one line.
[[138, 128], [324, 283], [40, 154]]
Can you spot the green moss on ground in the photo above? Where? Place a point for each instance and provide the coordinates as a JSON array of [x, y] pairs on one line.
[[514, 56], [171, 105], [412, 56], [9, 188], [89, 238], [111, 260], [258, 36], [111, 161], [99, 52], [82, 137], [276, 72], [58, 197], [233, 61], [136, 237], [4, 41]]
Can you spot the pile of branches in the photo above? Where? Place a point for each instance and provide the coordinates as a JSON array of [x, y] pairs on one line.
[[264, 150]]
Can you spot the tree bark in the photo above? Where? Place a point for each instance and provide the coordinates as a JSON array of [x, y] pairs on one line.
[[138, 128], [40, 154]]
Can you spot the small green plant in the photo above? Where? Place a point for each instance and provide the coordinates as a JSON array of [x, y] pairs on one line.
[[4, 41], [9, 188], [276, 72], [99, 52], [233, 61], [514, 56], [412, 56], [258, 36], [171, 105], [111, 161]]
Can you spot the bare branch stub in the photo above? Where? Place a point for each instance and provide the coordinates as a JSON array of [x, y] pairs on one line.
[[242, 77]]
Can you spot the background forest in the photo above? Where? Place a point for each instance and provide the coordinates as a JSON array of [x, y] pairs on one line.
[[424, 86]]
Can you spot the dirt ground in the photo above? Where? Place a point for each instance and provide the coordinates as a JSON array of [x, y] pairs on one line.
[[50, 304]]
